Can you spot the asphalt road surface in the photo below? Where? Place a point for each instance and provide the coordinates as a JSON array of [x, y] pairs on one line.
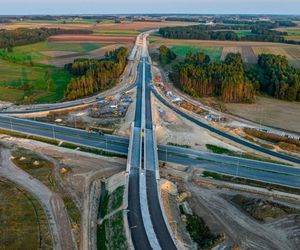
[[223, 134], [262, 171], [151, 165], [135, 220]]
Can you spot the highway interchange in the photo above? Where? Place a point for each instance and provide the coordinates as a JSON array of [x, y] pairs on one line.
[[148, 165]]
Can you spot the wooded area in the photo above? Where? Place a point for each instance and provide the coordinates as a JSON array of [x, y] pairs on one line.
[[22, 36], [276, 77], [260, 31], [95, 75], [234, 81], [199, 77]]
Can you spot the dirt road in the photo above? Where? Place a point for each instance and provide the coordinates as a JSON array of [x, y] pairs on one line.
[[245, 231], [53, 205]]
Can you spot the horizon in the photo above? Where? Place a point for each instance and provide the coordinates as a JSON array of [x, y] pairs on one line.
[[117, 7]]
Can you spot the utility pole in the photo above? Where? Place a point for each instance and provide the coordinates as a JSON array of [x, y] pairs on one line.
[[11, 126], [166, 155], [237, 168], [53, 131]]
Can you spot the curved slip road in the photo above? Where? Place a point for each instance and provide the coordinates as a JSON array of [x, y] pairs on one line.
[[223, 134]]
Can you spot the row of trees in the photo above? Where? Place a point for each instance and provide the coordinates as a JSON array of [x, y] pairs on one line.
[[23, 36], [95, 75], [199, 77], [260, 31], [197, 32]]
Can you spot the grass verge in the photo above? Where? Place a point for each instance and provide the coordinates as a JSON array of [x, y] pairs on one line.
[[220, 150], [63, 144], [238, 180]]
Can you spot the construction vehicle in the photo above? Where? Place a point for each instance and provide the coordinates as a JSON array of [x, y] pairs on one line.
[[94, 130]]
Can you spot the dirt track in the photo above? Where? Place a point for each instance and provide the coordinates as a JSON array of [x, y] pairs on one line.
[[58, 219], [245, 231]]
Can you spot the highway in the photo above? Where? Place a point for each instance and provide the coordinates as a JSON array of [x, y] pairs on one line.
[[127, 80], [135, 219], [224, 134], [263, 171], [151, 166]]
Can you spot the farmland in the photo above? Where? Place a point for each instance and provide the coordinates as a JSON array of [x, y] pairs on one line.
[[218, 50], [269, 111], [48, 82], [292, 53], [41, 64], [22, 218], [213, 52]]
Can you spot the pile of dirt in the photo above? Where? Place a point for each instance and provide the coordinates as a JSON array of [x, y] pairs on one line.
[[263, 210]]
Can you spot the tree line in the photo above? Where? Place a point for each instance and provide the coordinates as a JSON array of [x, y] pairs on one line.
[[93, 75], [234, 81], [260, 31], [275, 76], [200, 77], [23, 36]]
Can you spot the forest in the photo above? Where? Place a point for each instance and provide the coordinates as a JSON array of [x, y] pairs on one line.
[[92, 75], [166, 55], [200, 77], [274, 76], [260, 31], [23, 36], [233, 81]]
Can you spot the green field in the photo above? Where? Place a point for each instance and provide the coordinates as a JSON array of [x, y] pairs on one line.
[[214, 52], [23, 223], [293, 34], [34, 51], [48, 82], [241, 33], [24, 65]]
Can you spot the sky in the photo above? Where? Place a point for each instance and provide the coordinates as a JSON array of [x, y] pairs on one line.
[[14, 7]]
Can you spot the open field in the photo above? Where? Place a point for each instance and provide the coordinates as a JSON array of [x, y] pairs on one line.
[[105, 26], [157, 40], [22, 218], [293, 32], [48, 82], [38, 64], [92, 39], [292, 53], [248, 50], [60, 58], [269, 111], [213, 52]]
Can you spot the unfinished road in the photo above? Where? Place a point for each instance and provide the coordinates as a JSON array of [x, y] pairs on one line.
[[53, 205]]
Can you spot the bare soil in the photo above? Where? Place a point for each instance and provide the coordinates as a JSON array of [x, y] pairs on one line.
[[60, 58], [91, 39], [210, 201], [171, 128], [270, 112]]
